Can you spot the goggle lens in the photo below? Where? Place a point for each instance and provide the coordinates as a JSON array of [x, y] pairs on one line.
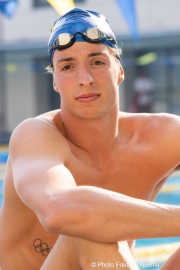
[[63, 39], [93, 35]]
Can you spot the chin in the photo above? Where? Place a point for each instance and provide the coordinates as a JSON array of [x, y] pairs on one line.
[[87, 114]]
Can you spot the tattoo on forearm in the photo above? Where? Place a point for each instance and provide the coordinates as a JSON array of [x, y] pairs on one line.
[[41, 247]]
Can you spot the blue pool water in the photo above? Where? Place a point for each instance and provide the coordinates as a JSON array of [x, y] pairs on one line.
[[1, 192], [170, 194], [3, 159]]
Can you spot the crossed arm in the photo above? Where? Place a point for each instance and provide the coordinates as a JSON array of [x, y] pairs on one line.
[[46, 186]]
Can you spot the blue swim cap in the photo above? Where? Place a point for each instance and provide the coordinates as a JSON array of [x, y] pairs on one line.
[[79, 20]]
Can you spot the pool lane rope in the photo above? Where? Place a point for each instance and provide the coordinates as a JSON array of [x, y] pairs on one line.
[[156, 250]]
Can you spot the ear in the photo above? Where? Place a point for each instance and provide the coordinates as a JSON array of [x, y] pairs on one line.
[[54, 85], [121, 75]]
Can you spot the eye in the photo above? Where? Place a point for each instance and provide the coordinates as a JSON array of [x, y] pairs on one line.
[[98, 63], [67, 67]]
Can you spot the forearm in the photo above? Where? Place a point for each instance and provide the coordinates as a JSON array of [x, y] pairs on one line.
[[104, 216]]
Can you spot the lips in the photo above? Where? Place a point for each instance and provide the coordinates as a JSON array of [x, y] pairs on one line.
[[88, 97]]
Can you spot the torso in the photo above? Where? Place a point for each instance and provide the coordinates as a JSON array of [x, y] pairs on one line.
[[139, 168]]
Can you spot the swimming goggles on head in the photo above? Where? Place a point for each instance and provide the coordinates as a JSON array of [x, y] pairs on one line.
[[92, 35]]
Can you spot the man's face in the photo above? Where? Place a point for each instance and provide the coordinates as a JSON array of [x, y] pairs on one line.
[[87, 77]]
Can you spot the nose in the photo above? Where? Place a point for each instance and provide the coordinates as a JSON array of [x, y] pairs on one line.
[[85, 78]]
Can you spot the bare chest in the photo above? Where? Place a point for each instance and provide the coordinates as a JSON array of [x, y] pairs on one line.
[[134, 173]]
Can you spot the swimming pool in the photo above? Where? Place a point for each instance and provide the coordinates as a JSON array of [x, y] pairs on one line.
[[3, 159], [150, 253]]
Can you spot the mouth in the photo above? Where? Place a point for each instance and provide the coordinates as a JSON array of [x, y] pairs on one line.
[[88, 97]]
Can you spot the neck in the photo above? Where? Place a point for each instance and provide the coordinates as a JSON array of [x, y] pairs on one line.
[[93, 135]]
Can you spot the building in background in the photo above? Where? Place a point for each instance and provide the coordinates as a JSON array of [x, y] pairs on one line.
[[26, 89]]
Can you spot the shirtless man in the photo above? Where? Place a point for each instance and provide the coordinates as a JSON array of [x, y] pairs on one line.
[[68, 169]]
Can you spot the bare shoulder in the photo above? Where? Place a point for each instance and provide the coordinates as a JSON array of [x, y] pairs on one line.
[[171, 120], [162, 125], [155, 129], [39, 135], [157, 133], [151, 123]]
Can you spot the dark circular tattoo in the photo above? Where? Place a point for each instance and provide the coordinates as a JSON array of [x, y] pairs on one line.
[[41, 247]]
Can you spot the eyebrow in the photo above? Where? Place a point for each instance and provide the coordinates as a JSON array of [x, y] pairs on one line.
[[96, 54], [66, 59]]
